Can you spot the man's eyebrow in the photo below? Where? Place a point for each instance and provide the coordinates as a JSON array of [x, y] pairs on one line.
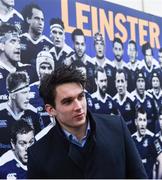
[[66, 99]]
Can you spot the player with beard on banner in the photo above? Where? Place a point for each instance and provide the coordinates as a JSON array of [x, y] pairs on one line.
[[103, 103]]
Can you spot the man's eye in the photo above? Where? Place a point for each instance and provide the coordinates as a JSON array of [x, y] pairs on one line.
[[81, 96], [67, 102]]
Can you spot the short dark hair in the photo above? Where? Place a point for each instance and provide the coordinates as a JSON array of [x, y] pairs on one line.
[[140, 110], [57, 21], [77, 32], [63, 74], [145, 47], [139, 74], [118, 40], [13, 80], [119, 71], [133, 42], [27, 13], [19, 127], [99, 69]]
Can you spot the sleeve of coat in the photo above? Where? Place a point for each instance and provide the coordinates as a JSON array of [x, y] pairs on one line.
[[134, 166]]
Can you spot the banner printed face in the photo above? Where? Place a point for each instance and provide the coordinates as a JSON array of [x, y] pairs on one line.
[[110, 19]]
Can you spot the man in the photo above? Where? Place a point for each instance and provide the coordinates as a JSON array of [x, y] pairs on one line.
[[16, 108], [118, 50], [79, 56], [133, 64], [148, 146], [103, 103], [145, 100], [159, 69], [10, 15], [13, 164], [101, 60], [44, 66], [33, 41], [80, 144], [123, 100], [60, 50], [156, 90], [9, 56], [148, 64], [158, 174]]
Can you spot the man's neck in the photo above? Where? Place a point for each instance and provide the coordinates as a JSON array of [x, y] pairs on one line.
[[34, 36], [16, 110], [7, 62], [101, 61], [79, 132], [121, 97]]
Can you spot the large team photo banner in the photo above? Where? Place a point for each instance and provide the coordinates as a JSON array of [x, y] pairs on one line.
[[117, 49]]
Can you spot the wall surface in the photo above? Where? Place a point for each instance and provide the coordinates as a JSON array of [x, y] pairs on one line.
[[149, 6]]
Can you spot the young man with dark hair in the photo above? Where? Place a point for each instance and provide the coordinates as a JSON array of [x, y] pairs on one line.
[[133, 64], [156, 90], [148, 145], [32, 40], [13, 163], [80, 144], [145, 100], [123, 100], [148, 64], [80, 56]]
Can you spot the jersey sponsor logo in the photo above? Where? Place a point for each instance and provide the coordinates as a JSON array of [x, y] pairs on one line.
[[145, 143], [89, 101], [149, 104], [158, 146], [127, 107], [3, 123], [97, 106], [11, 176], [110, 105], [4, 97], [108, 72], [23, 46]]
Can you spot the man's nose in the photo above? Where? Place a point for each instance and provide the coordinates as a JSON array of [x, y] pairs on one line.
[[77, 105]]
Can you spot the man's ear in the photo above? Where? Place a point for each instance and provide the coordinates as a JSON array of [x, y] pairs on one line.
[[135, 122], [1, 46], [50, 109], [28, 20], [12, 144]]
